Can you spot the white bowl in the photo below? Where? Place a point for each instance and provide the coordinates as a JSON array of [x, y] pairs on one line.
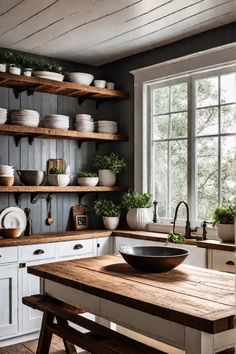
[[58, 180], [83, 116], [110, 85], [87, 181], [57, 116], [81, 78], [100, 83]]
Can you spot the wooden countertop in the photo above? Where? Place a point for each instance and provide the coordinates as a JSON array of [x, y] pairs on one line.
[[86, 234], [199, 298]]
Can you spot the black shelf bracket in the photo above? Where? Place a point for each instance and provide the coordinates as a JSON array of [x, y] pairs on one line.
[[36, 196], [17, 197], [18, 90], [30, 140], [17, 139], [101, 101], [84, 98]]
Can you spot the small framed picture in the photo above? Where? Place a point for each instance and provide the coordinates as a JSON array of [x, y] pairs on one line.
[[81, 222]]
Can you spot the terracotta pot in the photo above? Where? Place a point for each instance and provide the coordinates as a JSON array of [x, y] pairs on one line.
[[138, 219], [106, 178], [226, 232], [111, 222]]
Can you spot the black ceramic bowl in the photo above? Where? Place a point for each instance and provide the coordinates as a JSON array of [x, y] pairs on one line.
[[155, 259]]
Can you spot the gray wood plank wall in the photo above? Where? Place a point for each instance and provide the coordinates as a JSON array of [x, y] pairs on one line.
[[35, 157]]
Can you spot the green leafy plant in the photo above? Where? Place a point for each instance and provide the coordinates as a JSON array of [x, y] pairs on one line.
[[110, 162], [132, 199], [43, 65], [176, 237], [56, 171], [105, 207], [87, 174], [224, 215]]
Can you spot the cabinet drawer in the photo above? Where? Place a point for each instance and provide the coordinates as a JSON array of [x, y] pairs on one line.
[[38, 252], [224, 261], [76, 248], [8, 254]]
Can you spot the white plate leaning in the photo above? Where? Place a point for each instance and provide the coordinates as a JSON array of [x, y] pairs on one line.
[[13, 217]]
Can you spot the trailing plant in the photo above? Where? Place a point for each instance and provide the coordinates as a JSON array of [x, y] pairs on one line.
[[105, 207], [56, 171], [224, 215], [132, 200], [176, 237], [109, 162], [87, 174]]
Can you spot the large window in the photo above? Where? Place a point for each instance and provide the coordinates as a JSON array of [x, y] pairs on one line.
[[192, 142]]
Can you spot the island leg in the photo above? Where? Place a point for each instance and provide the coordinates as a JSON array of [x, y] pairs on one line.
[[197, 342], [45, 337]]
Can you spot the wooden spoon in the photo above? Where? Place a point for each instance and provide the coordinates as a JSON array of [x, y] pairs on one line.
[[49, 220]]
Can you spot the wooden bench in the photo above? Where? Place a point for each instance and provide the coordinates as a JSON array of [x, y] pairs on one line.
[[98, 339]]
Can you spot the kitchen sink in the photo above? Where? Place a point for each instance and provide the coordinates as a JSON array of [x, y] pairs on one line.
[[156, 259]]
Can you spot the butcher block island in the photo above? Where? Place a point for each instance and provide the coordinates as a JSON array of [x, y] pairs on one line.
[[190, 308]]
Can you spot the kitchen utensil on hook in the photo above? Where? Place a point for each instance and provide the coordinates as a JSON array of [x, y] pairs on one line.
[[49, 220]]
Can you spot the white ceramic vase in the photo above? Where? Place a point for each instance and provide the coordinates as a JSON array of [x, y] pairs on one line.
[[226, 232], [111, 222], [138, 219], [106, 178], [3, 68]]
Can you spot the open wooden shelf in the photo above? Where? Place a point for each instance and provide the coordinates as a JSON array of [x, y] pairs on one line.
[[33, 84], [47, 133], [59, 189]]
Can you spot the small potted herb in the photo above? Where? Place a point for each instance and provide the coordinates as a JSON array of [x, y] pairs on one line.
[[58, 177], [47, 70], [139, 209], [87, 179], [109, 211], [224, 218], [108, 166]]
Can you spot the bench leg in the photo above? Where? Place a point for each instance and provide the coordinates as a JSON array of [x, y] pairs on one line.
[[45, 337], [69, 347]]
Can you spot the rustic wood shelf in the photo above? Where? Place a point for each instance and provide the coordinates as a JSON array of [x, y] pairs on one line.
[[32, 84], [59, 189], [47, 133]]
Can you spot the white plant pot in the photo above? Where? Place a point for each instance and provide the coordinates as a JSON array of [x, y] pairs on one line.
[[59, 180], [226, 232], [27, 72], [111, 222], [87, 181], [106, 177], [3, 68], [14, 70], [138, 219]]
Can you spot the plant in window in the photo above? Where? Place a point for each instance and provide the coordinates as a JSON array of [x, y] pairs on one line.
[[139, 209], [223, 218], [109, 211]]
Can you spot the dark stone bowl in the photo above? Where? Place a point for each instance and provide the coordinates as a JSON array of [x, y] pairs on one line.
[[156, 259]]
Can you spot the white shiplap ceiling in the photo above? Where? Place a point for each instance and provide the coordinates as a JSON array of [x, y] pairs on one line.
[[99, 31]]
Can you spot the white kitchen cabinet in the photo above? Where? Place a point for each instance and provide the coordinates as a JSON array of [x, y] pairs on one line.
[[221, 260], [197, 256], [105, 245], [76, 249], [8, 300]]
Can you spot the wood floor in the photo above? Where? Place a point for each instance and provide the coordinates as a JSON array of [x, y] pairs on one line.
[[31, 346]]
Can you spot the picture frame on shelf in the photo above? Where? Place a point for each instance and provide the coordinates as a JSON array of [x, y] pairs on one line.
[[80, 217]]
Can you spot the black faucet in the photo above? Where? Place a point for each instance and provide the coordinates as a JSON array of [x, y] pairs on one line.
[[204, 231], [187, 227]]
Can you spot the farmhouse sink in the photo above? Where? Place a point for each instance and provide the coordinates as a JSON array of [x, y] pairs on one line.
[[156, 259]]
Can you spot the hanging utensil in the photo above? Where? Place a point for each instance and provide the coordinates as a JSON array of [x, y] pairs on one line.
[[49, 220], [28, 230]]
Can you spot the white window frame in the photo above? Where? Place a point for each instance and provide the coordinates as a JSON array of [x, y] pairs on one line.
[[208, 61]]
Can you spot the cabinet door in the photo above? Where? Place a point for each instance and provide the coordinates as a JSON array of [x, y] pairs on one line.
[[105, 245], [8, 301]]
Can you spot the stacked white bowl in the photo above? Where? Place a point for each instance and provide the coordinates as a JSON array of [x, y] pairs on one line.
[[107, 127], [84, 123], [25, 117], [3, 115], [6, 171], [56, 121]]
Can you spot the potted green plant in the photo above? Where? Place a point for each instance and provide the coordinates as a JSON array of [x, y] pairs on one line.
[[58, 177], [87, 178], [47, 70], [3, 63], [108, 166], [139, 209], [109, 211], [224, 218]]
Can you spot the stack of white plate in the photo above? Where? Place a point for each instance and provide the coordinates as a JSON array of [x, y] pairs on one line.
[[56, 121], [107, 127], [25, 117], [6, 171], [84, 123], [3, 115], [49, 75]]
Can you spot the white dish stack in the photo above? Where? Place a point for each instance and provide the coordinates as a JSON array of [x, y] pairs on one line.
[[84, 123], [25, 117], [107, 127], [3, 115], [6, 171], [56, 121]]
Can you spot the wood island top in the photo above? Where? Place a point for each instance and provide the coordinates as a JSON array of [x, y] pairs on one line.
[[199, 298]]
